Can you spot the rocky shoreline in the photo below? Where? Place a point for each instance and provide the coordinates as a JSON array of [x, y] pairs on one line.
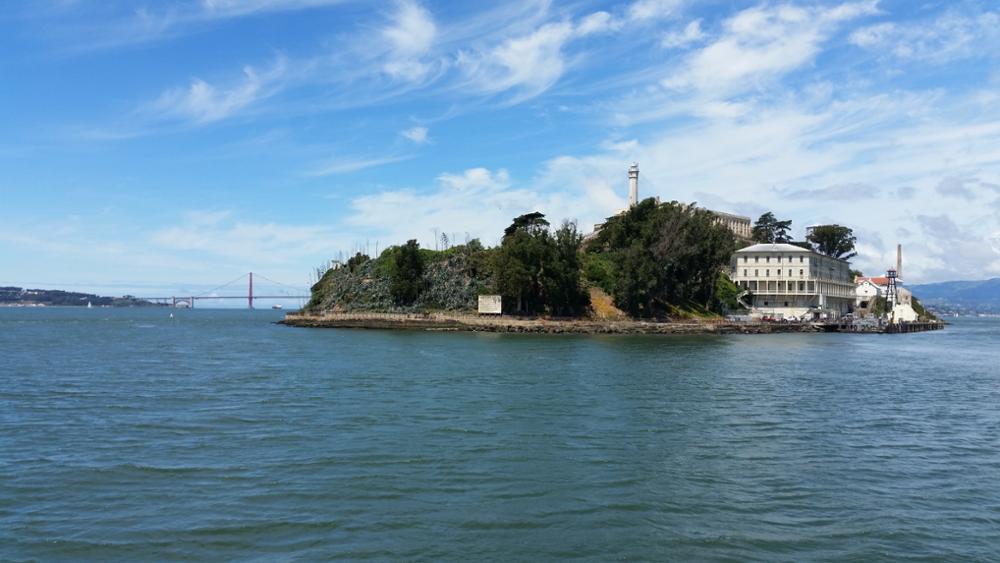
[[505, 324]]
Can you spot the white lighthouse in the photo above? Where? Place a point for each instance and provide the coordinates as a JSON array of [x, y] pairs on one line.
[[633, 184]]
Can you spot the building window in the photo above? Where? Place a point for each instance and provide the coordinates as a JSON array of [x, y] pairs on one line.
[[768, 259], [789, 273], [802, 272], [756, 259], [767, 273], [786, 303], [802, 259], [744, 272], [756, 273]]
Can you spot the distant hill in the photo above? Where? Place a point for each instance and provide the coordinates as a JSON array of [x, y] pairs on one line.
[[983, 296], [16, 296]]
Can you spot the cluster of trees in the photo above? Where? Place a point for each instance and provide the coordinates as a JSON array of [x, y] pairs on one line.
[[832, 240], [658, 257], [537, 270]]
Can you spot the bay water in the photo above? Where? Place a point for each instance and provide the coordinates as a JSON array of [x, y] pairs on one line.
[[127, 435]]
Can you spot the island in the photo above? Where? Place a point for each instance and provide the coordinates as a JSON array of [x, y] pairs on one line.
[[655, 267], [19, 297]]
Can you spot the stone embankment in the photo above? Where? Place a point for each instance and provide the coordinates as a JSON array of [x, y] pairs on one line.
[[475, 323]]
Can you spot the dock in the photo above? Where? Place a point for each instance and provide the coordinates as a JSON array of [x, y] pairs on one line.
[[880, 327]]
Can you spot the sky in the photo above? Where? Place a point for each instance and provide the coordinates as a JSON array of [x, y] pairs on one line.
[[150, 147]]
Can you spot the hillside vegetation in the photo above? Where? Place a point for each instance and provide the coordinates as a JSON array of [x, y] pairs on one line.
[[653, 261]]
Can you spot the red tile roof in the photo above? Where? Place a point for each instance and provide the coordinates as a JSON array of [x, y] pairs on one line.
[[880, 280]]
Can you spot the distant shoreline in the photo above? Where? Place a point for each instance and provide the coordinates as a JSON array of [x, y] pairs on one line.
[[451, 322]]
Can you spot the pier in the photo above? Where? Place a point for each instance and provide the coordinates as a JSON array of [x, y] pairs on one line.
[[902, 327]]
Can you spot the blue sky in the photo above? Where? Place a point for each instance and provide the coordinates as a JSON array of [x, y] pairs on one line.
[[156, 146]]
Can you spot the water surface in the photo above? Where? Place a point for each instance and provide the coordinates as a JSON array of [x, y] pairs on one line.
[[126, 435]]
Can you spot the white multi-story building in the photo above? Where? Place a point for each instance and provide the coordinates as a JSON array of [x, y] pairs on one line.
[[788, 281]]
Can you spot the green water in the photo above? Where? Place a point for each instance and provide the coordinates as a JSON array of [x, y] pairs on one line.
[[216, 435]]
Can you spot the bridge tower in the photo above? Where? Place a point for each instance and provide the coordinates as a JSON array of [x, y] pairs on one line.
[[250, 294]]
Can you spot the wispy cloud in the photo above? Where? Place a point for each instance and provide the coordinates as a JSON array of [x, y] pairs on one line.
[[644, 10], [943, 38], [416, 134], [761, 44], [528, 64], [202, 102], [966, 186], [853, 191], [691, 33], [237, 240], [125, 25], [353, 164], [410, 36]]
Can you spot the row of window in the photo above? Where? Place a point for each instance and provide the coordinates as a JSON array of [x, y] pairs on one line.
[[767, 273], [767, 259]]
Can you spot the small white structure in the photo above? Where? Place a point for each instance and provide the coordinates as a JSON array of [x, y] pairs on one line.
[[867, 291], [490, 305], [788, 281]]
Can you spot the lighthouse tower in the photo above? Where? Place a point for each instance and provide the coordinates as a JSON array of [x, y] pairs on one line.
[[633, 184]]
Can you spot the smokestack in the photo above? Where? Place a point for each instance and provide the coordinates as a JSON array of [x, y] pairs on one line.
[[899, 261], [633, 184]]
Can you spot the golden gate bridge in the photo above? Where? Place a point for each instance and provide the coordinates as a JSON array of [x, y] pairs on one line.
[[250, 297]]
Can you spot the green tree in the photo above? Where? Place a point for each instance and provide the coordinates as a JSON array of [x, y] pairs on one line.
[[406, 274], [833, 240], [768, 229], [356, 260], [561, 286], [728, 293], [518, 263], [664, 256]]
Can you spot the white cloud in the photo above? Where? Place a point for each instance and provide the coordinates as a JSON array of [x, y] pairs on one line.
[[597, 22], [690, 34], [250, 242], [872, 35], [410, 36], [353, 164], [966, 186], [528, 64], [202, 102], [479, 202], [760, 44], [416, 134], [140, 25], [947, 37], [237, 8], [642, 10]]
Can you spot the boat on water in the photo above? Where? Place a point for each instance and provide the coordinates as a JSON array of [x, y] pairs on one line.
[[276, 306], [89, 306]]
